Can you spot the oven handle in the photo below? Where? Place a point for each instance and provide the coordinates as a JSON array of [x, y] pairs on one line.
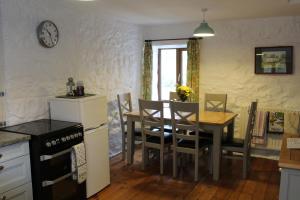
[[48, 157], [47, 183]]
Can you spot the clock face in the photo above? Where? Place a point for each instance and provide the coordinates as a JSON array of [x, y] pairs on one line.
[[47, 33]]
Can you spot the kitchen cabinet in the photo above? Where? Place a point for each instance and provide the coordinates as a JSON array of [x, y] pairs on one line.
[[15, 174], [24, 192], [289, 162]]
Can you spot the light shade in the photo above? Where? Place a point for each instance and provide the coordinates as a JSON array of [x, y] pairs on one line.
[[203, 30]]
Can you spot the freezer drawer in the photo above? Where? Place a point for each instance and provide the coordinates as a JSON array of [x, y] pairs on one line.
[[98, 172]]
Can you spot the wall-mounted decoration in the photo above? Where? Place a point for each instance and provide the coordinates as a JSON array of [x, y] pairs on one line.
[[47, 33], [276, 122], [274, 60]]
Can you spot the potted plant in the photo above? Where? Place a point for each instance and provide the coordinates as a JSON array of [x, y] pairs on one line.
[[183, 92]]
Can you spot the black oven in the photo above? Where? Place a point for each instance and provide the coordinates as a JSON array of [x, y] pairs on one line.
[[50, 153], [56, 178]]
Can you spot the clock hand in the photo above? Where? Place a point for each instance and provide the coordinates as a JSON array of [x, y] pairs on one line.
[[50, 35]]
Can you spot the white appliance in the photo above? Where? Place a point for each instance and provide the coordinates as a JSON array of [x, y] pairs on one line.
[[92, 113]]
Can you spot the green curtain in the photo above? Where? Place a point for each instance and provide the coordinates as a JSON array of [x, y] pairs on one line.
[[147, 71], [193, 68]]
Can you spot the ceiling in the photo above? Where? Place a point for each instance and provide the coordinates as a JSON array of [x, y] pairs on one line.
[[178, 11]]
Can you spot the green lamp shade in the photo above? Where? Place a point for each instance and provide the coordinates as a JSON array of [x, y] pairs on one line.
[[204, 30]]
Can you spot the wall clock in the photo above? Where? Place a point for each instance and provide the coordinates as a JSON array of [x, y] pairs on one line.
[[47, 33]]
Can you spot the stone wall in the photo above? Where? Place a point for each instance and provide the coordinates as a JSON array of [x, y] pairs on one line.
[[227, 60], [102, 52]]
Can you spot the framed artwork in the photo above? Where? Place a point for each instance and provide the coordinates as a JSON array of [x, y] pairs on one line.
[[276, 122], [274, 60]]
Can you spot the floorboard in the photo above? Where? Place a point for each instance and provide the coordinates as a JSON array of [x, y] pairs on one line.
[[132, 183]]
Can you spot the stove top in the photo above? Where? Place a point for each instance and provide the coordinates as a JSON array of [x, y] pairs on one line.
[[39, 127]]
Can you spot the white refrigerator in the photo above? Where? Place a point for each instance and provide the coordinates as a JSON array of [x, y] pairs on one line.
[[92, 113]]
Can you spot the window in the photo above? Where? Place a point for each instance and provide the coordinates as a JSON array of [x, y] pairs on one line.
[[170, 68]]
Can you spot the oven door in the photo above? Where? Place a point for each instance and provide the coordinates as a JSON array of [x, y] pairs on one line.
[[57, 182]]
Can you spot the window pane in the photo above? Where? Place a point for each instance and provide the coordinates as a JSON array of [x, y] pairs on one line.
[[184, 67], [154, 95], [168, 72]]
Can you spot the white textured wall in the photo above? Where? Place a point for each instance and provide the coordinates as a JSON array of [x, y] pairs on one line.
[[227, 60], [104, 53], [1, 70]]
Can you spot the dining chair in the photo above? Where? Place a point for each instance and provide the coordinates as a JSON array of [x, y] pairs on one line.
[[215, 102], [242, 146], [153, 134], [185, 119], [125, 105], [174, 96]]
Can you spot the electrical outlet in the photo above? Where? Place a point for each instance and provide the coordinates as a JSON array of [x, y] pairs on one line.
[[2, 94]]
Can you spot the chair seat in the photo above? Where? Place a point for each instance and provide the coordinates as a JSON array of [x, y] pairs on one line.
[[168, 128], [154, 139], [191, 144], [137, 132], [203, 134], [235, 142]]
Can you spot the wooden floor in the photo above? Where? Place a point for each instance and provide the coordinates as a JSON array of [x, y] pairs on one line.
[[131, 183]]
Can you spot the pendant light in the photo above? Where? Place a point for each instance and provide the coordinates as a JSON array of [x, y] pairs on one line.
[[204, 30]]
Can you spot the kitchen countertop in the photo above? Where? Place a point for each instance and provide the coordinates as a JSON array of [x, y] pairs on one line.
[[7, 138]]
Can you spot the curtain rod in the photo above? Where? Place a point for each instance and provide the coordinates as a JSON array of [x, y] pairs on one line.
[[173, 39]]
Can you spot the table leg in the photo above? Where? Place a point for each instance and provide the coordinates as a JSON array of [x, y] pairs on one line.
[[217, 132], [130, 137], [230, 129], [132, 141]]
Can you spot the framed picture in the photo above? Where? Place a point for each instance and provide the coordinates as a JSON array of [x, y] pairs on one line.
[[274, 60], [276, 122]]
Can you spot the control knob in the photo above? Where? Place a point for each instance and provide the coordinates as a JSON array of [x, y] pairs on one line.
[[48, 144], [63, 139], [53, 142]]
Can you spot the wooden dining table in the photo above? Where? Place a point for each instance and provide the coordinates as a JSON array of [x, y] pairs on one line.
[[214, 122]]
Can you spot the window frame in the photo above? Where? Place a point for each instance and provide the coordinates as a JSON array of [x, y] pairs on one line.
[[178, 68]]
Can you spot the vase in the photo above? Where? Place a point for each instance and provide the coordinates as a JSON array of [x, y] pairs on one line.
[[183, 98]]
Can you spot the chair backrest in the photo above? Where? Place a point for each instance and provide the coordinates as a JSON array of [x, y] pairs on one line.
[[174, 96], [215, 102], [250, 125], [185, 118], [152, 119], [125, 105]]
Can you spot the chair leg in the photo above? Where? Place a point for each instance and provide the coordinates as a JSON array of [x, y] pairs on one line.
[[146, 156], [161, 157], [196, 165], [210, 160], [123, 146], [144, 149], [245, 167], [249, 161], [132, 148], [174, 163]]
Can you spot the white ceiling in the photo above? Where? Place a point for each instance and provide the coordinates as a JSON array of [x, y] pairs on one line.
[[177, 11]]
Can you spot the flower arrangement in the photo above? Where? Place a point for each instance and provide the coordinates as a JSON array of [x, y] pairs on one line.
[[183, 92]]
